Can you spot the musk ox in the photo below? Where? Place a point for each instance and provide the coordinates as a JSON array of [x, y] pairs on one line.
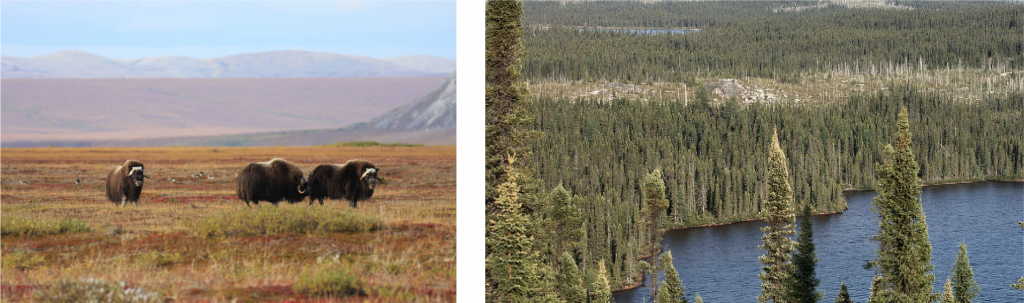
[[124, 183], [352, 181], [271, 181]]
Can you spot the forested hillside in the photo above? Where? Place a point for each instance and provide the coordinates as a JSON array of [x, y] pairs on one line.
[[612, 115], [712, 156], [749, 40]]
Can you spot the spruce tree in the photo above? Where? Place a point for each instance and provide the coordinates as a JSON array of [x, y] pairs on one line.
[[803, 282], [655, 205], [903, 257], [566, 221], [507, 120], [698, 299], [602, 289], [778, 211], [844, 295], [947, 293], [672, 290], [964, 287], [570, 282], [512, 267]]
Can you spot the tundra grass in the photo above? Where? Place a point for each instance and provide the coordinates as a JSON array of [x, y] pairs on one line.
[[269, 221], [14, 225], [400, 245]]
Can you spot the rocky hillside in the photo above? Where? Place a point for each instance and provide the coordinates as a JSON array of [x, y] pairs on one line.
[[433, 110]]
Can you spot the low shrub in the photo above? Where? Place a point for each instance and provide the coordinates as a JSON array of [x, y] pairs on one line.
[[278, 220], [154, 259], [19, 226], [330, 282], [93, 290], [21, 260]]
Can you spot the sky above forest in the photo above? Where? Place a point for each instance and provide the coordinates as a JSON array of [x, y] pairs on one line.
[[208, 29]]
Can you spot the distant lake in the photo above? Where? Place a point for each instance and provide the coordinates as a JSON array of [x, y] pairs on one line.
[[645, 31], [721, 264]]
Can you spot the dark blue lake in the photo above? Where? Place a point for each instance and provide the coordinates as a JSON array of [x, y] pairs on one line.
[[721, 264]]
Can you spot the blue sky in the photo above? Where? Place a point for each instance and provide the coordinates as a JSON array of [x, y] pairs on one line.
[[203, 29]]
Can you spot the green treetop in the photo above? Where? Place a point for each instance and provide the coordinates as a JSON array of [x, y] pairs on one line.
[[655, 205], [964, 287], [844, 295], [778, 211], [570, 282], [672, 290], [947, 293], [602, 290], [903, 257], [511, 264], [803, 282]]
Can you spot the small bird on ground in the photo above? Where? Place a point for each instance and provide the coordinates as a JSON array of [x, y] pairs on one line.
[[23, 182], [174, 180], [200, 174], [77, 180], [210, 177]]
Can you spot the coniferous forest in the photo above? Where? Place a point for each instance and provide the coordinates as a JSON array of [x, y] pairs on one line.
[[589, 168]]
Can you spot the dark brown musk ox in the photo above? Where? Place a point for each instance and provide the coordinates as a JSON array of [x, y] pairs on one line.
[[271, 181], [352, 181], [124, 183]]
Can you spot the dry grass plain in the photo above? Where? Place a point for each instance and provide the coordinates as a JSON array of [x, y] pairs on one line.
[[411, 257]]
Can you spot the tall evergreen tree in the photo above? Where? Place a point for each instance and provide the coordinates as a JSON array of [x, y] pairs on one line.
[[507, 120], [570, 282], [947, 292], [672, 290], [655, 205], [698, 299], [803, 282], [512, 267], [904, 253], [844, 295], [964, 287], [566, 221], [778, 211], [602, 289]]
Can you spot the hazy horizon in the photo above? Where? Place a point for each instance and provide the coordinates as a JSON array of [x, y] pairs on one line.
[[206, 30]]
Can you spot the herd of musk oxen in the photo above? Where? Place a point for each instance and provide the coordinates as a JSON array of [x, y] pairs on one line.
[[270, 181]]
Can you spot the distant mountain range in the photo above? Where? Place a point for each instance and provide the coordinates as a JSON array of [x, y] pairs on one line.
[[277, 64], [428, 119]]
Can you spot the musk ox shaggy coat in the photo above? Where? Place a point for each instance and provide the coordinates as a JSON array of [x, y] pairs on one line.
[[271, 181], [124, 183], [352, 181]]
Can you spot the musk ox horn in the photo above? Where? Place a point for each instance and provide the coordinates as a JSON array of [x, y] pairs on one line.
[[300, 189], [368, 170]]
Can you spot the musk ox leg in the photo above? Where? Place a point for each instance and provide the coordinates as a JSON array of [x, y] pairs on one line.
[[353, 203], [136, 202], [321, 201], [124, 201]]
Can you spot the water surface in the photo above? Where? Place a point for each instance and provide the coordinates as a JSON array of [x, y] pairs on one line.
[[721, 264]]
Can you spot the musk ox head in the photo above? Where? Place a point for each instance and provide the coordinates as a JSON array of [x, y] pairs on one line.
[[136, 174], [370, 177]]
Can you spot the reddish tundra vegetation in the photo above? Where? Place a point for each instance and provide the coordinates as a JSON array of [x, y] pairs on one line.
[[193, 240]]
